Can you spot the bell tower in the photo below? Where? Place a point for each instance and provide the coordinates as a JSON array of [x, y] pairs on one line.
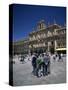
[[41, 25]]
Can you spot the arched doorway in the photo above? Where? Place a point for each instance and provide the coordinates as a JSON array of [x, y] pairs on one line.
[[52, 47]]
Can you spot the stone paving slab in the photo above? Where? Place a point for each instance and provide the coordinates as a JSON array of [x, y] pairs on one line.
[[22, 74]]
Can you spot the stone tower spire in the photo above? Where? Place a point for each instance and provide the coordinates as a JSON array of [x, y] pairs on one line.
[[41, 25]]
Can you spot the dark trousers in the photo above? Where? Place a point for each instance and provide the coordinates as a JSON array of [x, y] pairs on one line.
[[34, 70], [39, 67], [45, 69], [48, 68]]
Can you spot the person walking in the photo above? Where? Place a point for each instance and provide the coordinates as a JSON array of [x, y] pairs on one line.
[[48, 67], [62, 57], [22, 59], [59, 57], [54, 57]]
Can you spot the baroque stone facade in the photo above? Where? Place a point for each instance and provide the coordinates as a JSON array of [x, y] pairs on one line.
[[51, 38], [43, 38]]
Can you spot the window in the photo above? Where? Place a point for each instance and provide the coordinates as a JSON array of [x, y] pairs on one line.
[[49, 34], [38, 36]]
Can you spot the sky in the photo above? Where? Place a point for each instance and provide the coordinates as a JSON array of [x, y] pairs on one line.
[[26, 17]]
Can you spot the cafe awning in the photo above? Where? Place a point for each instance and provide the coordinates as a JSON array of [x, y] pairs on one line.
[[60, 49]]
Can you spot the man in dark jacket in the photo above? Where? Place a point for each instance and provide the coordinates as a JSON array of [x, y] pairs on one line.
[[34, 63]]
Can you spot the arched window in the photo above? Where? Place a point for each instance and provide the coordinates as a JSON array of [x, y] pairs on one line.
[[49, 34]]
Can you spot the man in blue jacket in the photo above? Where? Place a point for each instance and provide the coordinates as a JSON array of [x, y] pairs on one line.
[[46, 64]]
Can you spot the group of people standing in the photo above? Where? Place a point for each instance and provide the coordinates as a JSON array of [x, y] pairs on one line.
[[41, 64]]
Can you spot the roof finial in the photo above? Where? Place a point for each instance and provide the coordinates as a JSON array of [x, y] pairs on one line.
[[54, 21]]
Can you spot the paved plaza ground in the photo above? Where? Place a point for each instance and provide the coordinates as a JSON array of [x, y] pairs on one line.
[[22, 73]]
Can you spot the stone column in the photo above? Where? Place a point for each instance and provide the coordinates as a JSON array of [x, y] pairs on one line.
[[48, 46], [55, 45]]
